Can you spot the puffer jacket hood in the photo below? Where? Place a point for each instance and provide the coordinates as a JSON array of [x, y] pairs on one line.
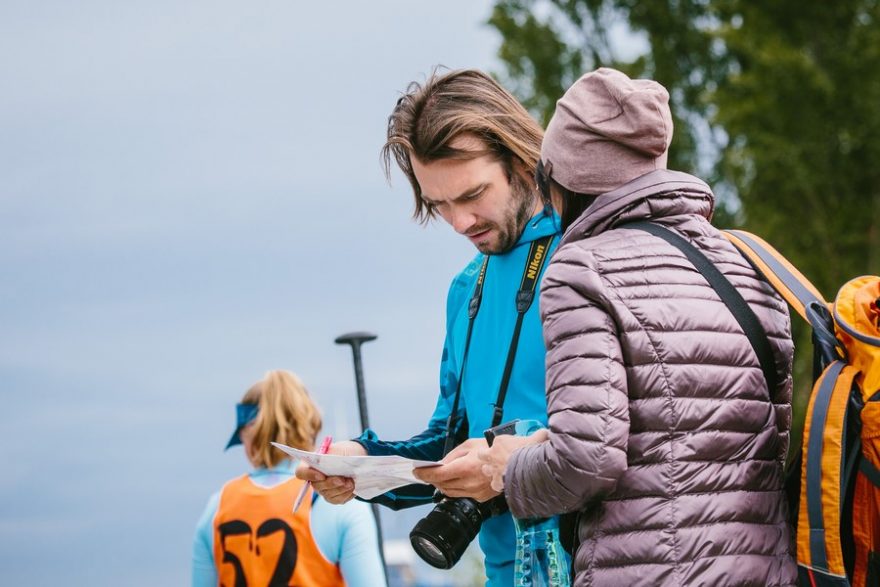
[[659, 194]]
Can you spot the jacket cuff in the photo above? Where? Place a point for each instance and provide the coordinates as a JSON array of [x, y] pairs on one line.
[[371, 443], [519, 476]]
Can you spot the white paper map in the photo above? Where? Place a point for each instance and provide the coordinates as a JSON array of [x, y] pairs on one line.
[[372, 475]]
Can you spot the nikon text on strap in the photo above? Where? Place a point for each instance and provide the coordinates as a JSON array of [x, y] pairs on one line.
[[524, 297]]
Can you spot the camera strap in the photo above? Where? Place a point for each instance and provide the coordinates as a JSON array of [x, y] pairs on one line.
[[473, 308], [524, 298]]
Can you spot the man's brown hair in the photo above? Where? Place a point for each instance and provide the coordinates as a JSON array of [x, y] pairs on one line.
[[430, 116]]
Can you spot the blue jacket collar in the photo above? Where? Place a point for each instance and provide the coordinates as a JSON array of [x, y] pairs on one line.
[[539, 226]]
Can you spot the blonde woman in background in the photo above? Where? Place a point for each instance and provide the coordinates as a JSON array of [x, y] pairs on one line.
[[248, 533]]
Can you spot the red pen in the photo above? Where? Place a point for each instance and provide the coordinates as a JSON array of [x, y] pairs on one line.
[[325, 446]]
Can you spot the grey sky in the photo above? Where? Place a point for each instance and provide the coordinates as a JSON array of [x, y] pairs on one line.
[[191, 195]]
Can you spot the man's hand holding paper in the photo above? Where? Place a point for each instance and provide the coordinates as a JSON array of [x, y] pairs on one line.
[[334, 489], [345, 471]]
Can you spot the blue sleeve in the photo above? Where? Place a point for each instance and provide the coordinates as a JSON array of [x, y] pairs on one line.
[[347, 536], [428, 445], [204, 573]]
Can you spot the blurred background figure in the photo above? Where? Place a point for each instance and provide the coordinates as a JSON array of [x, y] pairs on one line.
[[249, 533]]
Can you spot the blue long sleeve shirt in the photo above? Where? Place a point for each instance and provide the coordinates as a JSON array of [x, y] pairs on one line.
[[490, 340]]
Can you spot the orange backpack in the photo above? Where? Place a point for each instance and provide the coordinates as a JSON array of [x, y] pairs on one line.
[[838, 515]]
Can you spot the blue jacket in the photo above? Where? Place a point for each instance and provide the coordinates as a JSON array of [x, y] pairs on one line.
[[490, 341]]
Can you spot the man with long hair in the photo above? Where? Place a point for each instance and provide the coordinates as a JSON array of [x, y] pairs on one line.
[[469, 150]]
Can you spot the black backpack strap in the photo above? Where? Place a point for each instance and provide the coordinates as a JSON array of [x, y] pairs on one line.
[[740, 309], [870, 471]]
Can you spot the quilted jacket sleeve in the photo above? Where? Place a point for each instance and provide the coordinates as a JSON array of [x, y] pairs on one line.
[[586, 397]]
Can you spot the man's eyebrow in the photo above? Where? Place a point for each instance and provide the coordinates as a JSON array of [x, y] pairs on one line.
[[465, 194]]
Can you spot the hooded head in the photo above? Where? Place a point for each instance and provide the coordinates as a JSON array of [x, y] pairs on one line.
[[606, 131]]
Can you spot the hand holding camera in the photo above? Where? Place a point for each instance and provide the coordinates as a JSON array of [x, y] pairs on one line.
[[495, 458], [460, 474], [441, 537]]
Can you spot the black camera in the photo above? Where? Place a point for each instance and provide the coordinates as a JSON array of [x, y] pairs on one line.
[[442, 536]]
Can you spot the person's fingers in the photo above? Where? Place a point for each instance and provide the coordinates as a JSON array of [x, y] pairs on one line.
[[334, 483], [347, 448], [441, 474], [495, 477], [341, 495], [455, 454], [436, 475], [468, 446], [334, 487], [423, 474], [465, 463], [485, 455], [460, 490], [338, 498], [323, 487], [464, 476], [474, 485], [307, 473], [481, 494], [541, 435]]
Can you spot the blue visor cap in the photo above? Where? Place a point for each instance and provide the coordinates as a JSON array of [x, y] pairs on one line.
[[244, 415]]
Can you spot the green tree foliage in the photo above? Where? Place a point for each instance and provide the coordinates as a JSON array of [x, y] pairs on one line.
[[802, 110], [548, 44], [776, 104]]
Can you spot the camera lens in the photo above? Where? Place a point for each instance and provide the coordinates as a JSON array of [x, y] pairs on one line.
[[429, 552], [442, 536]]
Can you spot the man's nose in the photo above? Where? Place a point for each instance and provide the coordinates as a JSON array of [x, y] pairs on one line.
[[461, 220]]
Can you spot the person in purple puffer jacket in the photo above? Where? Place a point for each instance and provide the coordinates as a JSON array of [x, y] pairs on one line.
[[662, 432]]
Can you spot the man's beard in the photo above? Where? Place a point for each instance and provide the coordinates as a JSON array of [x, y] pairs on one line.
[[516, 215]]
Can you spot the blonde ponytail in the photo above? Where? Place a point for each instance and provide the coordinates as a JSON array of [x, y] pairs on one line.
[[287, 415]]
